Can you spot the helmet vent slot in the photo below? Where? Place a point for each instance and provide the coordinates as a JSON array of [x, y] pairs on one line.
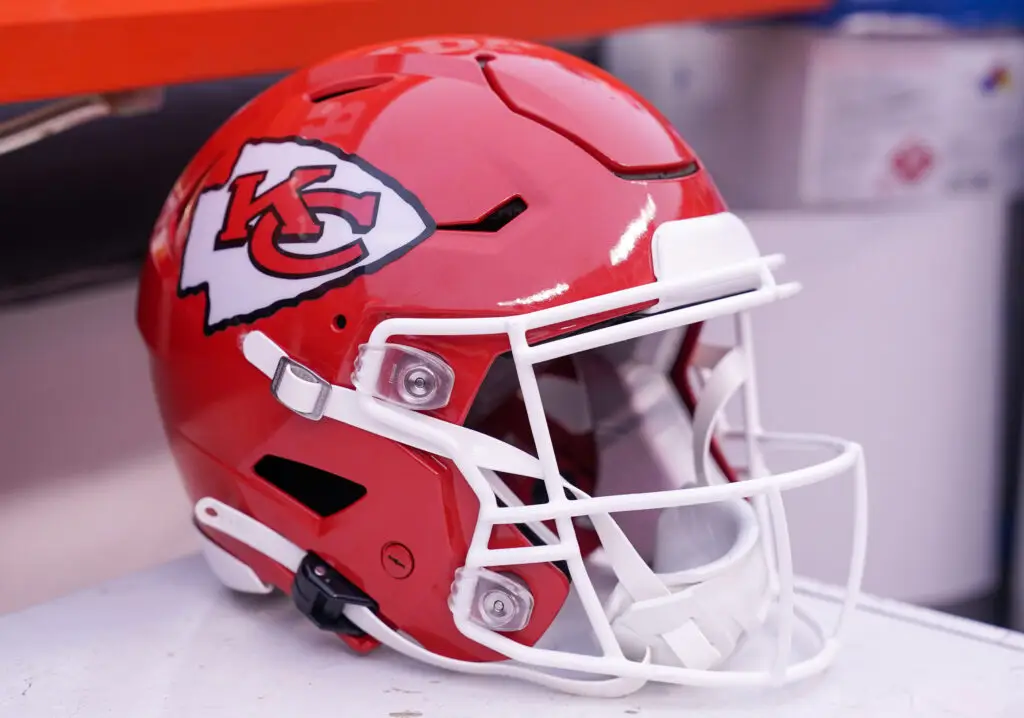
[[347, 86], [493, 220], [670, 173], [320, 491]]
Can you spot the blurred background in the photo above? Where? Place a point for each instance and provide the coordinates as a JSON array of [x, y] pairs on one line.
[[879, 144]]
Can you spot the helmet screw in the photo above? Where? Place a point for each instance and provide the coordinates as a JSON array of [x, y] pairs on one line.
[[499, 608], [397, 560], [419, 384]]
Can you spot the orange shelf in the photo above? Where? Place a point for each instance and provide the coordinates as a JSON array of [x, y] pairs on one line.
[[52, 49]]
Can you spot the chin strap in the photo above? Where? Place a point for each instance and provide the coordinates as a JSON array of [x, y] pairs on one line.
[[696, 618], [690, 617], [661, 617], [693, 618], [245, 529]]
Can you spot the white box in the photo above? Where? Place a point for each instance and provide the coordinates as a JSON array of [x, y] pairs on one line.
[[170, 641], [786, 117]]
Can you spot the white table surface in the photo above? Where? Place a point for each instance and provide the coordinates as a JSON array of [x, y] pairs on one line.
[[171, 642]]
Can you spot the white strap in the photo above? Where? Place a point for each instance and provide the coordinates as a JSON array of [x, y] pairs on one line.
[[724, 381], [694, 626], [707, 356], [600, 688], [701, 624], [636, 577], [643, 586], [693, 617], [300, 390], [242, 527], [662, 617], [256, 535], [637, 417]]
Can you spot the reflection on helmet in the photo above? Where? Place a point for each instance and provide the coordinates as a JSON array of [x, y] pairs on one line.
[[425, 327]]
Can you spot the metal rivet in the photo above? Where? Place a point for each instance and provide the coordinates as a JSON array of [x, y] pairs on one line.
[[419, 384], [498, 608]]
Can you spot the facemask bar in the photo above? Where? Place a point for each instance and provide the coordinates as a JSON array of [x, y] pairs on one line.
[[771, 511], [445, 439], [771, 491], [765, 489], [471, 451]]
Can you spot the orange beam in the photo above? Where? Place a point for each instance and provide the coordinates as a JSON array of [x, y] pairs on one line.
[[52, 48]]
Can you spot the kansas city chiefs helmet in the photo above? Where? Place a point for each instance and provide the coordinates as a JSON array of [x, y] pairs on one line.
[[425, 326]]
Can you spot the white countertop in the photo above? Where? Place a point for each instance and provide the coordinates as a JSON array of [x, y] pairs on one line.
[[172, 642]]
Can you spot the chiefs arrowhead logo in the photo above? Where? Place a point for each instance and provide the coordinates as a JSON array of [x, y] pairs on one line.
[[295, 219]]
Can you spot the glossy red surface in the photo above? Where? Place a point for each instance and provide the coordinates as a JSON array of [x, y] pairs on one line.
[[425, 114], [619, 130]]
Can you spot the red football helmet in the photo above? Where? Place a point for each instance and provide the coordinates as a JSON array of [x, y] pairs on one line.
[[422, 316]]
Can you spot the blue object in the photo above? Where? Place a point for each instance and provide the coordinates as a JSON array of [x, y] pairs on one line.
[[958, 14]]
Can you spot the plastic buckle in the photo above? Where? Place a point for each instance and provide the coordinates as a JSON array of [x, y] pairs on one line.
[[321, 594], [287, 367]]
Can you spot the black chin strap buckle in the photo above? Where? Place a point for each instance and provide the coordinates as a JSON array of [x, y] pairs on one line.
[[321, 594]]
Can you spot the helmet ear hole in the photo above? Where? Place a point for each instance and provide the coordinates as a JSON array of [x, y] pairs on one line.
[[322, 492]]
